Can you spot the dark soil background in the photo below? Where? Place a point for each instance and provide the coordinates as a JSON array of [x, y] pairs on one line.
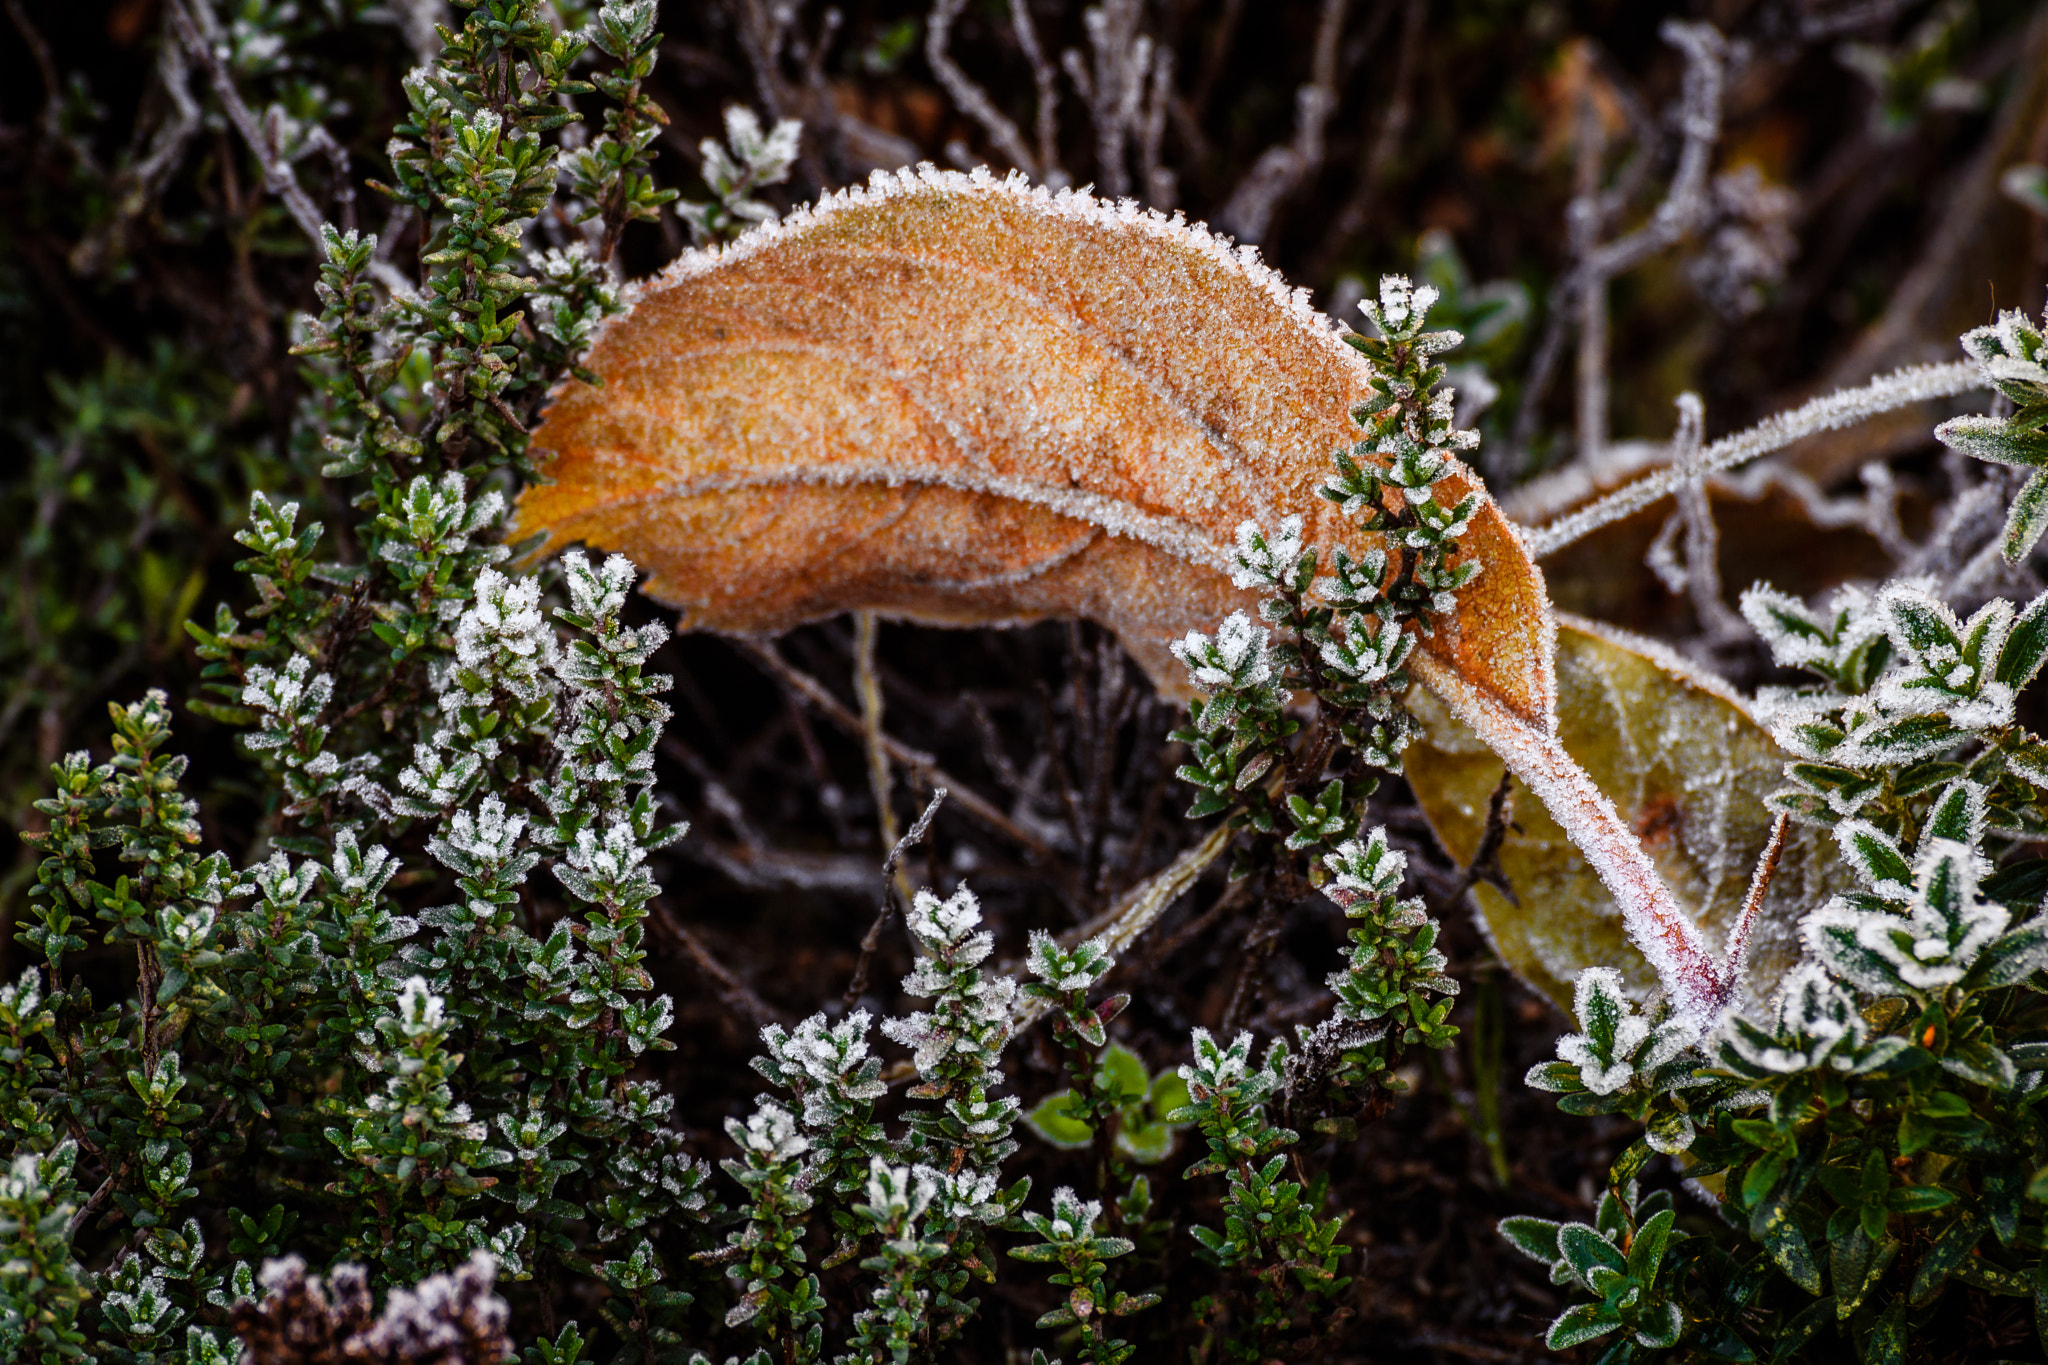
[[145, 389]]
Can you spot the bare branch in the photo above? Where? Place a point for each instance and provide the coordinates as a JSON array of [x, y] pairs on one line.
[[890, 879], [137, 187], [1699, 577], [968, 97], [735, 994], [866, 687], [1114, 87], [1901, 388], [926, 767], [1583, 219], [1162, 186], [1281, 169], [1045, 78], [1686, 206], [277, 170]]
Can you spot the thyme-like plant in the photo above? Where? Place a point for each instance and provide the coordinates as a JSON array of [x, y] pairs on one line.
[[1284, 1257], [1875, 1134]]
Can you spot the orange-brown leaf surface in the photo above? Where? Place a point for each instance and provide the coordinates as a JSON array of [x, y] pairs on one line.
[[953, 399]]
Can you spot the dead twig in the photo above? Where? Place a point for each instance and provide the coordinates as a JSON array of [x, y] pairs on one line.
[[1257, 947], [1582, 291], [1699, 577], [1736, 954], [1485, 864], [733, 993], [970, 98], [866, 629], [890, 872], [923, 764], [278, 177], [1114, 87], [1282, 169], [1904, 387]]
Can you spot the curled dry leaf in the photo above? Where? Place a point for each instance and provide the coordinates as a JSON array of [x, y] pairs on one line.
[[960, 400], [1679, 754]]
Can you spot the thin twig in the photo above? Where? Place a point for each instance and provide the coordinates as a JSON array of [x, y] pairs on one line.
[[51, 119], [1258, 946], [880, 781], [970, 98], [1736, 953], [1700, 577], [734, 993], [1115, 88], [1046, 78], [873, 938], [1485, 863], [923, 764], [1281, 169], [277, 171], [1138, 910], [1901, 388], [1583, 218], [99, 1197], [1685, 207]]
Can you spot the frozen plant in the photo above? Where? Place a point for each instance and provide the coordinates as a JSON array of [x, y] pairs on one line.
[[1345, 635], [1624, 1061], [2014, 362], [893, 1327], [828, 1069], [956, 1044], [778, 1295], [1284, 1257], [1872, 1134], [751, 157], [612, 173], [1383, 991], [1069, 1242]]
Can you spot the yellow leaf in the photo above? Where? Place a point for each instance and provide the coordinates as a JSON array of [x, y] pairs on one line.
[[1678, 753]]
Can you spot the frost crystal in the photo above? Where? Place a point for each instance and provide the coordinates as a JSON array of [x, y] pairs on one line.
[[769, 1132], [1266, 562], [1618, 1047], [1238, 657], [503, 641], [1946, 926], [1067, 971], [1816, 1023]]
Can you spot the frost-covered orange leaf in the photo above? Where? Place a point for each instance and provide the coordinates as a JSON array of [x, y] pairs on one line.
[[955, 399], [1688, 768]]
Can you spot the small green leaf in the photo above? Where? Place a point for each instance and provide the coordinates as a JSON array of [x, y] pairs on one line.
[[1055, 1120], [1581, 1323], [1535, 1238], [1169, 1092], [2028, 519], [1124, 1070]]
